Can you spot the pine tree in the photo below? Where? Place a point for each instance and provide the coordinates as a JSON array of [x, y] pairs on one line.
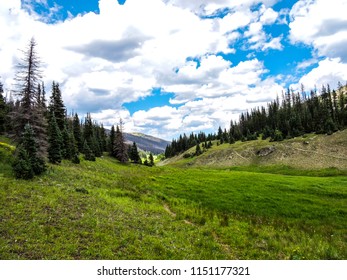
[[120, 148], [74, 149], [134, 154], [77, 133], [88, 153], [66, 145], [27, 159], [29, 110], [56, 105], [198, 150], [111, 142], [151, 159], [21, 165], [55, 141], [3, 110]]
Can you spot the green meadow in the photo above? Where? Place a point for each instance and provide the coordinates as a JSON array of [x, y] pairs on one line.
[[106, 210]]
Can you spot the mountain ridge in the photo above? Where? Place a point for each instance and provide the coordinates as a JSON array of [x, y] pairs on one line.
[[146, 142]]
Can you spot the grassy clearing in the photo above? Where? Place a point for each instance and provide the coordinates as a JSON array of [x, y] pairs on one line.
[[104, 210]]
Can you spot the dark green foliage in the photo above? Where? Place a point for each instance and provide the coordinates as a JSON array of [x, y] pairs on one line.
[[111, 142], [21, 165], [31, 146], [96, 146], [134, 154], [27, 159], [277, 136], [198, 150], [77, 133], [57, 107], [120, 148], [151, 159], [74, 149], [329, 126], [3, 110], [75, 159], [88, 154], [66, 143], [55, 141]]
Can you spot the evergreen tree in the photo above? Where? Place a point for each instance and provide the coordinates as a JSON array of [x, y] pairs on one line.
[[56, 105], [120, 148], [3, 110], [198, 150], [55, 141], [29, 110], [134, 154], [74, 149], [77, 133], [21, 165], [27, 158], [66, 144], [88, 154], [103, 138], [111, 142], [151, 160], [30, 144]]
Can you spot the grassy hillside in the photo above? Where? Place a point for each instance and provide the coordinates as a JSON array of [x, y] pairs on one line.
[[309, 152], [104, 210]]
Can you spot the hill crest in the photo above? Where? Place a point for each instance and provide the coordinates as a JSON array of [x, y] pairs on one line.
[[313, 151]]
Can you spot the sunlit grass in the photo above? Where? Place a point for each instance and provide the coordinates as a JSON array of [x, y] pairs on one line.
[[105, 210]]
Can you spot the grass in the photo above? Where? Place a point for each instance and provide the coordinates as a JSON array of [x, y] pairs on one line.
[[105, 210]]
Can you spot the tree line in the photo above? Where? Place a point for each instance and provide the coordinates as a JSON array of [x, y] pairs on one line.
[[297, 113], [43, 131]]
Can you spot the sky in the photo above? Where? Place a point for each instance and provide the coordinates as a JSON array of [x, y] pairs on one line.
[[168, 67]]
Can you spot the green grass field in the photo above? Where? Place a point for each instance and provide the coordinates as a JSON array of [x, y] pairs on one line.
[[105, 210]]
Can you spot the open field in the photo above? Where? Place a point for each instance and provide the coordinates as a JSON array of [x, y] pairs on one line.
[[105, 210]]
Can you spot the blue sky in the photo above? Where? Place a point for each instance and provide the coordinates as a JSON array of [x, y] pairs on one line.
[[172, 66]]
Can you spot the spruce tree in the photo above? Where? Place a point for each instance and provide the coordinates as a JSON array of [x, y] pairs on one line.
[[151, 160], [57, 106], [27, 159], [198, 150], [134, 154], [74, 149], [3, 110], [55, 141], [29, 110], [77, 132], [88, 153], [120, 148], [66, 145], [21, 165], [111, 142]]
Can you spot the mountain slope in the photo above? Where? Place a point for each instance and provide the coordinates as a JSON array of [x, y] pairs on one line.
[[147, 142], [310, 152]]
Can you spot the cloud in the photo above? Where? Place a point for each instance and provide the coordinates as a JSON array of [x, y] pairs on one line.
[[329, 71], [322, 24], [115, 51], [103, 60]]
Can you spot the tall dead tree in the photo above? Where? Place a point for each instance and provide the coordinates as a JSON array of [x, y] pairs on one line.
[[30, 111]]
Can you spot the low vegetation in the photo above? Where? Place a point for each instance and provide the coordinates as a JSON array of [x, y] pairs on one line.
[[108, 210]]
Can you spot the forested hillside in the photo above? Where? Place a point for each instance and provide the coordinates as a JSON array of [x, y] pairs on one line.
[[43, 131], [292, 115]]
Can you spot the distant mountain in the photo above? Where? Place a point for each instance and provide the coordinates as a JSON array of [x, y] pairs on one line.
[[146, 142]]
